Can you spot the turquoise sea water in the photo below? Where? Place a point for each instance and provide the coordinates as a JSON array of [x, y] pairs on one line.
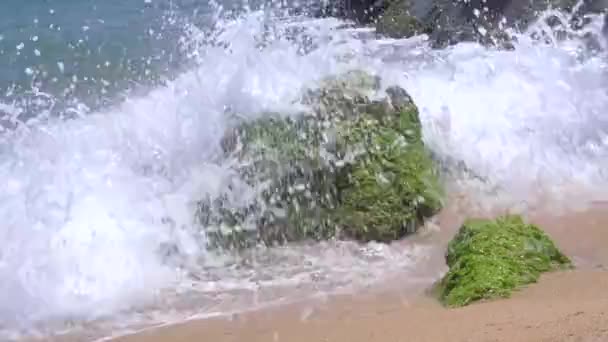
[[93, 51], [111, 113]]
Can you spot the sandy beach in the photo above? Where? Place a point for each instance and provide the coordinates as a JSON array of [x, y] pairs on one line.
[[570, 306], [562, 306]]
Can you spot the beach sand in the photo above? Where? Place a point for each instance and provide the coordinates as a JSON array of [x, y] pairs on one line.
[[567, 306], [562, 306]]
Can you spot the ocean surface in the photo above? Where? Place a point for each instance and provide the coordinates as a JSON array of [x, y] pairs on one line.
[[111, 114]]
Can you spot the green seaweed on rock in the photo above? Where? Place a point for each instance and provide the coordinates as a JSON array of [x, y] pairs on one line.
[[492, 258], [350, 168], [392, 186]]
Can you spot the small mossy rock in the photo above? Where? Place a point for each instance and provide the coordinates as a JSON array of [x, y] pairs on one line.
[[492, 258], [398, 22], [350, 168]]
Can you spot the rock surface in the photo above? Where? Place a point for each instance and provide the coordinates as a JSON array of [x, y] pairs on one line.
[[451, 21], [352, 167], [399, 20]]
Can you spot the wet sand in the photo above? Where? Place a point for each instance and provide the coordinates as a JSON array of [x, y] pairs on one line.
[[570, 306], [562, 306]]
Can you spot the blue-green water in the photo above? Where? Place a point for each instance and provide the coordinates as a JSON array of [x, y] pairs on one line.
[[94, 51], [91, 52], [111, 115]]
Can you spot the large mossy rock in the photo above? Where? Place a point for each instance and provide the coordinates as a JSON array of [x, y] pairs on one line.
[[351, 168], [491, 258]]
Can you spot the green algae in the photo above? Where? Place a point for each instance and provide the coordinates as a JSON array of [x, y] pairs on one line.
[[392, 186], [492, 258]]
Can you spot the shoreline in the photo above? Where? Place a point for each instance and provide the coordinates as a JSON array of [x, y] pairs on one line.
[[562, 306], [554, 309]]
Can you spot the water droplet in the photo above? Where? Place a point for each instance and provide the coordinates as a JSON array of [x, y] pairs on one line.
[[35, 38], [37, 52], [20, 46], [29, 71], [60, 66]]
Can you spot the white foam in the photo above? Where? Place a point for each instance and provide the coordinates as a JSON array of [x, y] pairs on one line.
[[87, 203]]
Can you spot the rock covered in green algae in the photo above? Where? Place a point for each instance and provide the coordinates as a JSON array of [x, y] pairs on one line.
[[392, 186], [398, 22], [352, 167], [491, 258]]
